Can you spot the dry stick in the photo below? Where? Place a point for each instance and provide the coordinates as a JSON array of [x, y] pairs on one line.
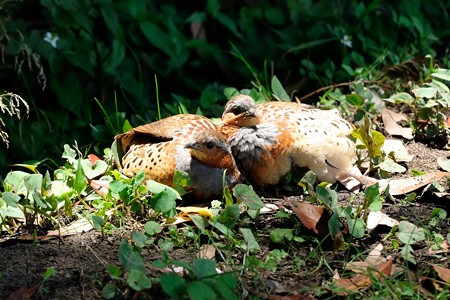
[[333, 86]]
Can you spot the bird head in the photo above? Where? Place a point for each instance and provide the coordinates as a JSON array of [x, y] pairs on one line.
[[240, 111], [210, 148]]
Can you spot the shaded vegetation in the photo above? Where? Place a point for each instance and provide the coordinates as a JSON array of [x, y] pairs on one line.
[[63, 55]]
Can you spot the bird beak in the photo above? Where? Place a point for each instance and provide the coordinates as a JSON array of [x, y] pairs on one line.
[[192, 145], [244, 115]]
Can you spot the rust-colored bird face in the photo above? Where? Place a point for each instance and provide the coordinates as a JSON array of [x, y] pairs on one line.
[[210, 148], [240, 111]]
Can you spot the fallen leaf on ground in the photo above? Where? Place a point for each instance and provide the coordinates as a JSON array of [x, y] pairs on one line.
[[269, 208], [399, 150], [362, 281], [390, 121], [313, 217], [374, 257], [24, 293], [444, 163], [407, 185], [207, 251], [443, 248], [79, 226], [443, 273], [379, 218], [202, 211], [349, 181], [101, 187]]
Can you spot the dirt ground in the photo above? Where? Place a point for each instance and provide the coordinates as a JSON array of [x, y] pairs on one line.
[[80, 261]]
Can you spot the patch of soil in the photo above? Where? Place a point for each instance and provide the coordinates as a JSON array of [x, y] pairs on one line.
[[80, 261]]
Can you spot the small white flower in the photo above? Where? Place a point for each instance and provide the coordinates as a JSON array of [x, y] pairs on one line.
[[346, 41], [51, 39]]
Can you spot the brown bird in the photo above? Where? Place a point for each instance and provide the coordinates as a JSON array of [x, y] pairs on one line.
[[269, 138], [187, 143]]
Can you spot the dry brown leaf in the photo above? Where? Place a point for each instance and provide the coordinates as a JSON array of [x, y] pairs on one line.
[[315, 218], [207, 251], [24, 293], [443, 273], [390, 120], [374, 257], [349, 181], [379, 218], [79, 226], [362, 281], [443, 248], [93, 158], [101, 187], [407, 185], [269, 208]]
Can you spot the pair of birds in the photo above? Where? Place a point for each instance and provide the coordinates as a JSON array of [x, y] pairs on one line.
[[266, 140]]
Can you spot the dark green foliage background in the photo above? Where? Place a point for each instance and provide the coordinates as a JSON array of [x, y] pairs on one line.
[[111, 50]]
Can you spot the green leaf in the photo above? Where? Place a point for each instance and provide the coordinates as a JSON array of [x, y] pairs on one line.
[[203, 267], [138, 281], [181, 180], [355, 99], [328, 197], [97, 222], [164, 200], [138, 179], [48, 273], [194, 288], [139, 239], [442, 74], [281, 235], [129, 258], [156, 187], [11, 199], [121, 188], [247, 195], [222, 228], [110, 291], [425, 92], [230, 216], [115, 272], [228, 22], [372, 197], [410, 233], [152, 228], [199, 221], [249, 238], [173, 285], [391, 167], [117, 56], [69, 154], [93, 171], [80, 179], [407, 253], [225, 285], [156, 36], [111, 20], [357, 227], [33, 183], [278, 90]]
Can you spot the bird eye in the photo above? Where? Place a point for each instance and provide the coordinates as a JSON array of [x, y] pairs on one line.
[[209, 145], [237, 110]]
